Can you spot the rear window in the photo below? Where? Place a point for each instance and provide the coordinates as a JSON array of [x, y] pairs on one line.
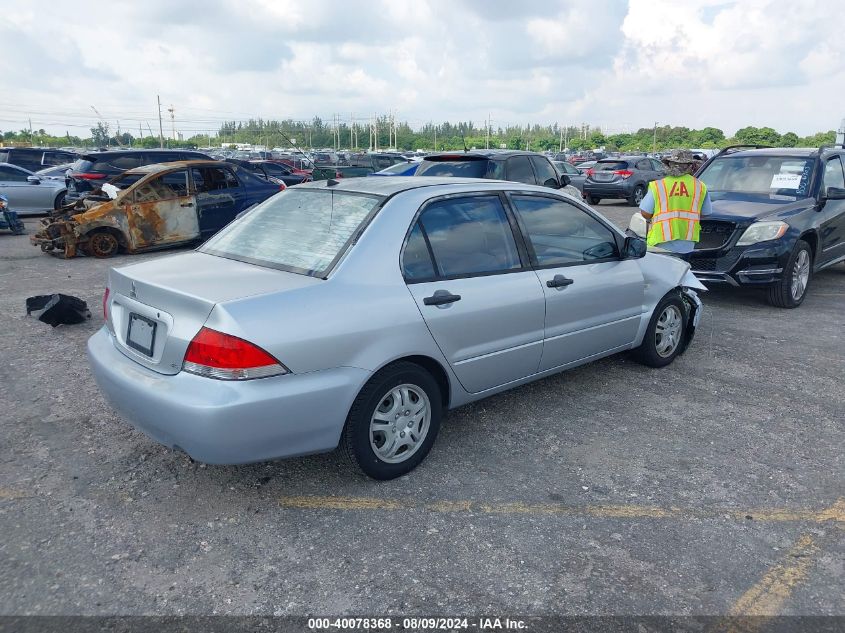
[[301, 231], [82, 165], [611, 165], [457, 168]]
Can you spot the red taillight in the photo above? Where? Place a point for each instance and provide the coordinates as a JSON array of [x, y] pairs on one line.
[[89, 176], [282, 186], [625, 173], [590, 172], [106, 304], [214, 354]]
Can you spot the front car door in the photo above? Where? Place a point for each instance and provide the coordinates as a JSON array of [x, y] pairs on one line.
[[481, 302], [161, 211], [594, 298], [833, 220], [220, 197], [545, 173], [23, 195]]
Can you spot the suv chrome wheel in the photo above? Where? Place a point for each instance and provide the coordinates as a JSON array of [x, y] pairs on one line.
[[400, 423], [800, 275]]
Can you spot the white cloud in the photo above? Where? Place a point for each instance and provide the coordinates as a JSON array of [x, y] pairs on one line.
[[612, 62]]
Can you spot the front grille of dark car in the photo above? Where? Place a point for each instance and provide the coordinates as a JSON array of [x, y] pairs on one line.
[[702, 263], [714, 234]]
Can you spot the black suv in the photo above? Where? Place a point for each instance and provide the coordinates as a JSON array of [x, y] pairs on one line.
[[517, 166], [92, 170], [35, 158], [778, 218]]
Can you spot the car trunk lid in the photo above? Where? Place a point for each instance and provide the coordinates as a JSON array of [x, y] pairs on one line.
[[156, 308]]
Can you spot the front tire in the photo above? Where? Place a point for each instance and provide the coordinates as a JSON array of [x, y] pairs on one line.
[[393, 422], [59, 202], [593, 200], [789, 291], [663, 340], [102, 244]]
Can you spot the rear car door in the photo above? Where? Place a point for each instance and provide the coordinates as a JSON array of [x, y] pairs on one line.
[[833, 221], [162, 211], [481, 302], [220, 197], [518, 169], [594, 298]]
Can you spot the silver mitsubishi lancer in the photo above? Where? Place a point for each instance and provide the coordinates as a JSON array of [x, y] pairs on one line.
[[355, 313]]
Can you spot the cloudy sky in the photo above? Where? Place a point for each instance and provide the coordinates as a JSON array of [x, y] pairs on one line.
[[622, 64]]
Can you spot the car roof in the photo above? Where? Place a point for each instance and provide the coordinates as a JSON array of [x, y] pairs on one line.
[[486, 153], [128, 152], [176, 164], [798, 152], [397, 184]]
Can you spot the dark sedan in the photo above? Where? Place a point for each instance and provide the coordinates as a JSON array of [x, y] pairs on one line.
[[778, 218]]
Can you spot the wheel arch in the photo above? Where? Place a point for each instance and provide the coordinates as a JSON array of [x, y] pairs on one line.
[[812, 238], [433, 367]]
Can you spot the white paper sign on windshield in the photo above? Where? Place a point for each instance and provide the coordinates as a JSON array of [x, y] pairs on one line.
[[786, 181]]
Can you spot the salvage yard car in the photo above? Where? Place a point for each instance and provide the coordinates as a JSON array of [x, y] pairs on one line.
[[154, 206], [355, 313], [778, 217]]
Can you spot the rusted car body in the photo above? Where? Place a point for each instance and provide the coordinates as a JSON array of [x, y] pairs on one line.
[[151, 207]]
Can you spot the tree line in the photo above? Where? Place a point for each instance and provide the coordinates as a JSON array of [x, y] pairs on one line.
[[384, 133]]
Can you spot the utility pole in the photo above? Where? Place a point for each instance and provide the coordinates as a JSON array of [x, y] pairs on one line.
[[375, 132], [488, 130], [654, 140], [31, 138], [160, 128], [560, 145], [435, 138]]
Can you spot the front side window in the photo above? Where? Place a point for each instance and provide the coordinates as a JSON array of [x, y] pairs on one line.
[[833, 174], [165, 187], [301, 231], [10, 174], [546, 175], [470, 236], [519, 170], [560, 233], [212, 179]]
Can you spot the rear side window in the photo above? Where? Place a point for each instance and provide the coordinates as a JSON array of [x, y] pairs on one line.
[[165, 187], [469, 236], [213, 179], [546, 175], [560, 233], [644, 164], [416, 259], [519, 170], [56, 158], [456, 168]]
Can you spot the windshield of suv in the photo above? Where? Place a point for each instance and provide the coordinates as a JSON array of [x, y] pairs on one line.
[[774, 175], [301, 231]]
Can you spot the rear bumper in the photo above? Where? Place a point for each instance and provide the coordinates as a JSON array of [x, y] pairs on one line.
[[621, 189], [227, 422]]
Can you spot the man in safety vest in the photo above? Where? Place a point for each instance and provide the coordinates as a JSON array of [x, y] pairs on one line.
[[675, 205]]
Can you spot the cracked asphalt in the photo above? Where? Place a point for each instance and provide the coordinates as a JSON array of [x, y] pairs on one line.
[[581, 494]]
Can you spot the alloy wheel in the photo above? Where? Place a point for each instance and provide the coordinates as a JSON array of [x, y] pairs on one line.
[[800, 275]]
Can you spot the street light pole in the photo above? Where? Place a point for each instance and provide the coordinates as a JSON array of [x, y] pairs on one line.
[[654, 141]]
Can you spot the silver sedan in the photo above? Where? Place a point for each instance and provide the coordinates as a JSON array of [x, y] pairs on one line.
[[27, 192], [358, 312]]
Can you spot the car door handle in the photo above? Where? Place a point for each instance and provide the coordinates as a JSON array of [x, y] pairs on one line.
[[559, 281], [441, 297], [187, 204]]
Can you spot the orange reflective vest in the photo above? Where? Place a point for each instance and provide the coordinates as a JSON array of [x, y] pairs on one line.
[[677, 209]]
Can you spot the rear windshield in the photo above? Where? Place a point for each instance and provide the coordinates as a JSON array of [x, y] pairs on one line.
[[82, 165], [459, 168], [611, 165], [774, 175], [301, 231]]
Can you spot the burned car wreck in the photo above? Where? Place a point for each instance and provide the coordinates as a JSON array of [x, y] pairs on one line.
[[152, 207]]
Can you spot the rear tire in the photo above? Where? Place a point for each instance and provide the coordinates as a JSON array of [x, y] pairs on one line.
[[789, 291], [591, 199], [59, 202], [393, 422], [637, 196], [664, 337]]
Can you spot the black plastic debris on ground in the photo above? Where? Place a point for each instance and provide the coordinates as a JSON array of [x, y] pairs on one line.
[[58, 309]]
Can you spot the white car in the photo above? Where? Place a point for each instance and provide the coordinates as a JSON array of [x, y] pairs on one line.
[[28, 193]]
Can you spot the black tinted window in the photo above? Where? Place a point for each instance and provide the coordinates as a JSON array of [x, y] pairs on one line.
[[519, 170], [122, 163], [546, 174], [561, 233], [416, 260], [610, 165], [56, 158], [643, 164], [457, 168], [10, 174], [470, 236], [213, 179]]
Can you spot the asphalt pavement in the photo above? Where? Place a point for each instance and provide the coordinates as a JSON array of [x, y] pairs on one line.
[[713, 487]]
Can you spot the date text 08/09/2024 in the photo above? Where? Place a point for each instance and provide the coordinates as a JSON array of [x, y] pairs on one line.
[[413, 624]]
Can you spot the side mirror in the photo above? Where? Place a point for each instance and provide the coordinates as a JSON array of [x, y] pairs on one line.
[[634, 248], [564, 180], [33, 180], [834, 193]]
